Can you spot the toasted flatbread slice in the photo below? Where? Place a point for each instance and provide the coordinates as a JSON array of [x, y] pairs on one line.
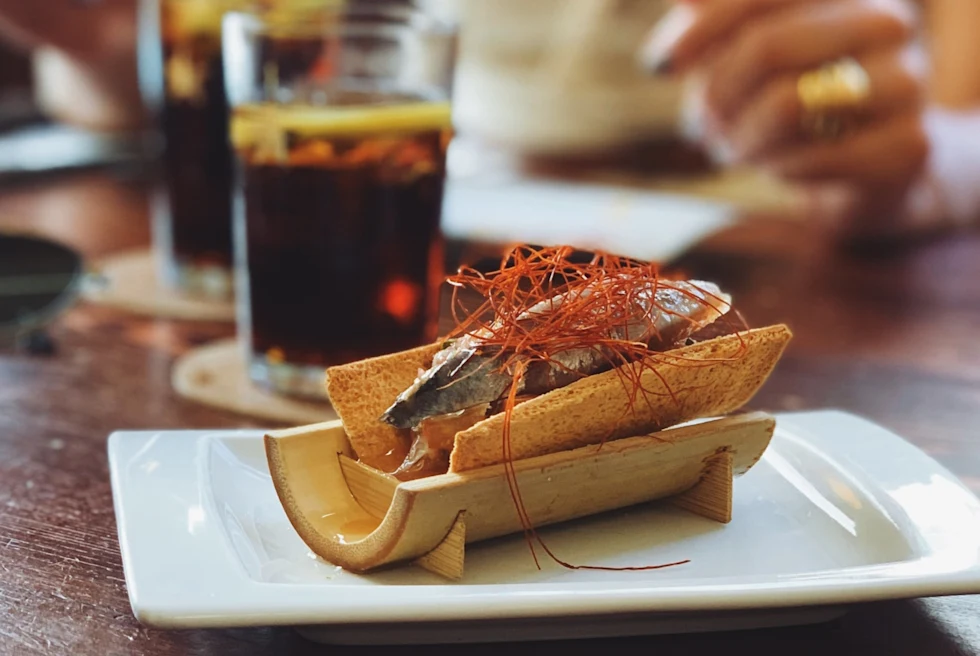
[[709, 378], [361, 391], [706, 379]]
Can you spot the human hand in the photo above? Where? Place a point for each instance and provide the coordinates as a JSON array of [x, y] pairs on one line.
[[744, 59], [85, 67]]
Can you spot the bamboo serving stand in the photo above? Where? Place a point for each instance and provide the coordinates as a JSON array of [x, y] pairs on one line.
[[361, 519]]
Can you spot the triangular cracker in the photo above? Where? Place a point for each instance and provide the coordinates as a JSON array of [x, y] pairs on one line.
[[709, 378], [361, 391]]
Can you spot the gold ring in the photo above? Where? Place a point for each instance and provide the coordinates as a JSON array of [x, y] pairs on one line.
[[832, 97]]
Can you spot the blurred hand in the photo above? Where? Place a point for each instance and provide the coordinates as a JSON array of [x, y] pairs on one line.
[[89, 30], [744, 58], [84, 54]]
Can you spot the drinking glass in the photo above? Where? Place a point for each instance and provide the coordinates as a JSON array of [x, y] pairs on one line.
[[340, 123], [182, 78]]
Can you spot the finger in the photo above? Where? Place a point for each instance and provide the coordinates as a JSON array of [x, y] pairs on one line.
[[75, 27], [688, 31], [771, 121], [801, 38], [891, 152]]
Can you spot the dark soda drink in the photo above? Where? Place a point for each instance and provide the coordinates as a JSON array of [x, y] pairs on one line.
[[339, 219], [193, 230]]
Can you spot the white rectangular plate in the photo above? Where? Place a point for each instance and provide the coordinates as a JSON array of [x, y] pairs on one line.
[[838, 511]]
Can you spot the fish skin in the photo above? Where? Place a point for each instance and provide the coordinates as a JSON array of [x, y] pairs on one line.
[[462, 376], [462, 380]]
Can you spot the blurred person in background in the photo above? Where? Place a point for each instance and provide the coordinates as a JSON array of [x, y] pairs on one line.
[[899, 152], [904, 158], [84, 58]]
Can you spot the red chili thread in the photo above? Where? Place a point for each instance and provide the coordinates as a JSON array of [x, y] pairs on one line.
[[597, 296]]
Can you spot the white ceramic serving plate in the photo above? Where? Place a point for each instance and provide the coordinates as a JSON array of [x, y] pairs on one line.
[[839, 511]]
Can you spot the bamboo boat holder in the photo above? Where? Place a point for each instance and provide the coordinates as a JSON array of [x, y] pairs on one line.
[[362, 519]]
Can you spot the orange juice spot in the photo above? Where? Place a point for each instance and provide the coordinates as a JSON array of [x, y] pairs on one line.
[[322, 69], [400, 299], [275, 355], [185, 78], [371, 150], [357, 529], [316, 151], [445, 138], [424, 167], [846, 494], [412, 153]]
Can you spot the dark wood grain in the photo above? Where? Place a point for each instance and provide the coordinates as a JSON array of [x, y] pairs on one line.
[[889, 335]]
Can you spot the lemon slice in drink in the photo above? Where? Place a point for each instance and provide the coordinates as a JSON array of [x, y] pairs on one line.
[[196, 17], [253, 124]]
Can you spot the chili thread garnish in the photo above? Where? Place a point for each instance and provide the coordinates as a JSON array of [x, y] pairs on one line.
[[541, 302]]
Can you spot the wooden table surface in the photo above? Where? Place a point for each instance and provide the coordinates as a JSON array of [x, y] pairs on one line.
[[892, 336]]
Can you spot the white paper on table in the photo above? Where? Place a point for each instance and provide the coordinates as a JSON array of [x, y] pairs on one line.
[[643, 224]]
